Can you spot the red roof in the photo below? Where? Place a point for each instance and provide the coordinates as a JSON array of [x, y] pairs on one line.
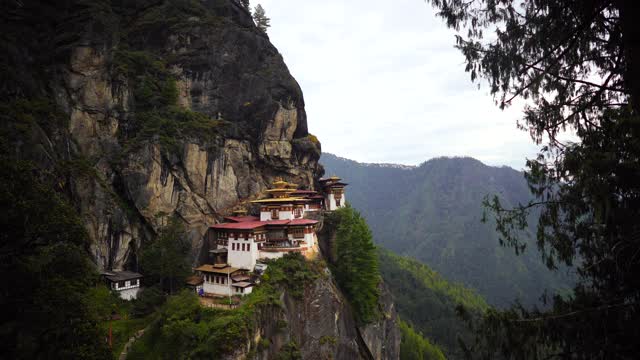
[[277, 222], [245, 225], [242, 218], [302, 222], [251, 225]]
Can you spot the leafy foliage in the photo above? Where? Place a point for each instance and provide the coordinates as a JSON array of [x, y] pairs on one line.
[[166, 260], [356, 263], [428, 302], [291, 272], [148, 300], [415, 347], [46, 272], [578, 64], [186, 329], [289, 351]]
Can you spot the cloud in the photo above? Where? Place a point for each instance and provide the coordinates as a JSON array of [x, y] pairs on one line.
[[383, 83]]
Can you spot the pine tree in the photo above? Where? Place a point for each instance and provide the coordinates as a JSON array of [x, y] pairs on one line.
[[165, 261], [576, 64], [260, 18], [356, 266]]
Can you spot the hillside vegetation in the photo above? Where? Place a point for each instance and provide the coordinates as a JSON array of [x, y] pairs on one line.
[[433, 213], [428, 302]]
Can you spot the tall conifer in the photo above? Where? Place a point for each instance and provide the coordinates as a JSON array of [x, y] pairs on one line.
[[261, 19]]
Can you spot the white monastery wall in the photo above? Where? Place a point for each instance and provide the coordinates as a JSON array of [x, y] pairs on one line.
[[129, 294]]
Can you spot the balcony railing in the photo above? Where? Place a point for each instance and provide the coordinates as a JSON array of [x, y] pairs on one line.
[[279, 244]]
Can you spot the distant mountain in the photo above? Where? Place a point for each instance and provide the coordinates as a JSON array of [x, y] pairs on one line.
[[432, 213]]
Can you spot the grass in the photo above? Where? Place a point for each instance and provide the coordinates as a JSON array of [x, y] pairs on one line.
[[122, 330]]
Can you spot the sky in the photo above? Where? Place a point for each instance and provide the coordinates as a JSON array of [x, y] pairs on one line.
[[383, 82]]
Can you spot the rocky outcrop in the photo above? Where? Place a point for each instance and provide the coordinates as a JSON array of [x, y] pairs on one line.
[[224, 68], [321, 325], [224, 118], [376, 340]]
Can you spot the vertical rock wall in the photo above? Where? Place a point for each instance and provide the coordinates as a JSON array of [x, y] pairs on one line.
[[224, 68]]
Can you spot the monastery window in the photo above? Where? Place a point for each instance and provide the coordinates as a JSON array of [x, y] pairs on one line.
[[297, 212], [298, 233], [337, 202], [275, 214], [134, 282], [121, 284]]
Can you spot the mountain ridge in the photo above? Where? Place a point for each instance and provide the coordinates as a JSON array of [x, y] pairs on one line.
[[433, 213]]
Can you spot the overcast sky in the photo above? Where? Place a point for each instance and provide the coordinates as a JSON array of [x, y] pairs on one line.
[[383, 83]]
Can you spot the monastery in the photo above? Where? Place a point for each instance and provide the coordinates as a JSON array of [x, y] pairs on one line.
[[285, 224]]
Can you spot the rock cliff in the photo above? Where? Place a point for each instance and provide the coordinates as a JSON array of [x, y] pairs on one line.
[[140, 110], [322, 326], [132, 71]]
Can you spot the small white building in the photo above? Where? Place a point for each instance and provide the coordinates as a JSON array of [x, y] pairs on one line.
[[125, 283], [334, 196], [224, 280]]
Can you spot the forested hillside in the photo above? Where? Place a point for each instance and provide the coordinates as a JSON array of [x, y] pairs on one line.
[[433, 213], [428, 302]]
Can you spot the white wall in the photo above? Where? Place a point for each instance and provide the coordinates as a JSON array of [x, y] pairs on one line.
[[282, 215], [242, 259], [246, 291], [212, 288], [330, 201], [129, 294], [310, 239], [271, 255]]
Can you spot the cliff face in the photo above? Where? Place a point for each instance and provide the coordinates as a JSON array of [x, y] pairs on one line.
[[139, 110], [322, 326], [250, 123]]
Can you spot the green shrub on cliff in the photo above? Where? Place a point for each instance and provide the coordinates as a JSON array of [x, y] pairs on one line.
[[356, 263], [157, 116]]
